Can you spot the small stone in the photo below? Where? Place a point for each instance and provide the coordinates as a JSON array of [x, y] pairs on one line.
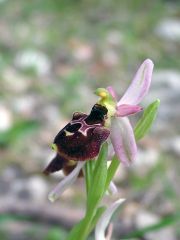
[[38, 188], [14, 82], [110, 58], [25, 105], [82, 51], [4, 187], [172, 145], [165, 79], [12, 172], [31, 58], [114, 38], [18, 186], [145, 219], [5, 118], [166, 87], [51, 114], [175, 145], [146, 159], [33, 188], [24, 194], [169, 29]]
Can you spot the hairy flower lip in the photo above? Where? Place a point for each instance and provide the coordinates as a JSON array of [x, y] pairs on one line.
[[84, 141], [80, 139]]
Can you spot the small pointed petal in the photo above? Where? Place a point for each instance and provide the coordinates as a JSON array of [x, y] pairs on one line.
[[105, 219], [123, 140], [112, 92], [140, 84], [65, 183], [112, 188], [126, 110]]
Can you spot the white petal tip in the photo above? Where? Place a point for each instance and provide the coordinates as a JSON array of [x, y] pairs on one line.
[[65, 183], [120, 201], [113, 189], [158, 100], [148, 61], [52, 197], [148, 64]]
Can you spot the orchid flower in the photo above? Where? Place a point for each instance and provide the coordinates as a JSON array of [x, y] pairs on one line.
[[82, 138], [121, 131]]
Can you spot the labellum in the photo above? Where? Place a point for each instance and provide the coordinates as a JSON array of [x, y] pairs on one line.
[[79, 140]]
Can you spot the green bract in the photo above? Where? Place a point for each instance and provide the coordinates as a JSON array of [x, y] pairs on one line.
[[145, 122]]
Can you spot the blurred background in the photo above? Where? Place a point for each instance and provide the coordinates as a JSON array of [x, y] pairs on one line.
[[53, 55]]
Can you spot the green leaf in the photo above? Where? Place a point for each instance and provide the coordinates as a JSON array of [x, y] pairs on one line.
[[96, 190], [75, 232], [144, 124]]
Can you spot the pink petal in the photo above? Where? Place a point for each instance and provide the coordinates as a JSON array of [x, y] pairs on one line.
[[123, 140], [140, 84], [112, 92], [126, 110]]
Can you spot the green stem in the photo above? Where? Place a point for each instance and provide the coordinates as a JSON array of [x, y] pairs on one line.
[[111, 171], [82, 230], [89, 168], [86, 224], [97, 181]]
